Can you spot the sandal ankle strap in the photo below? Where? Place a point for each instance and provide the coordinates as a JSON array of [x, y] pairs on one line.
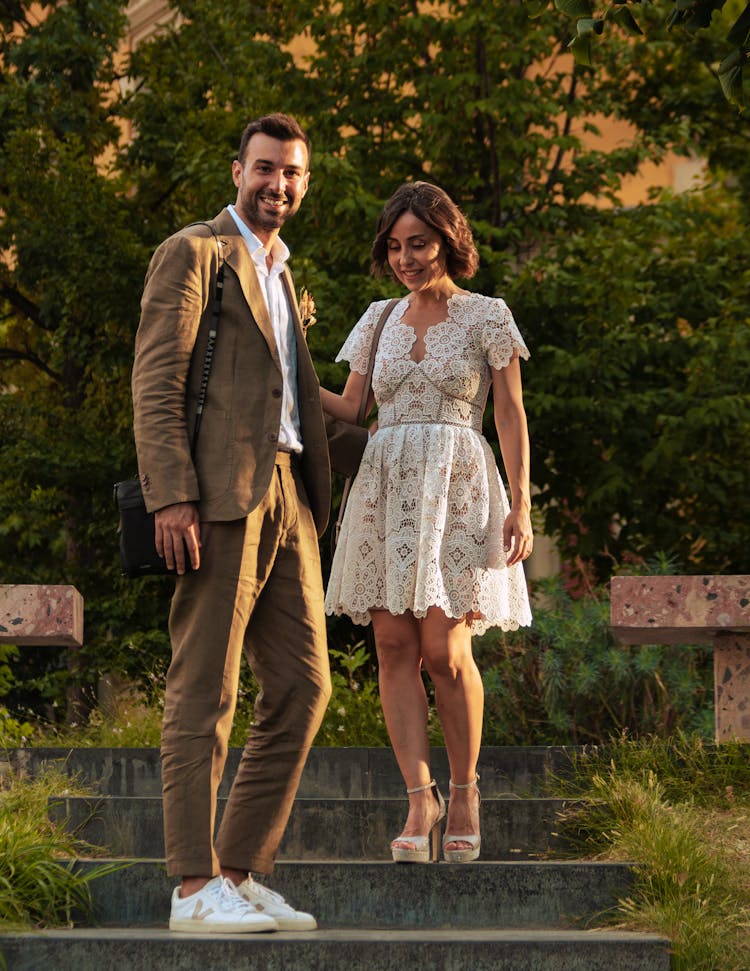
[[429, 785], [465, 785]]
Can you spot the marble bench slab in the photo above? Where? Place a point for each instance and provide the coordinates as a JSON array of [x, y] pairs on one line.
[[39, 614], [694, 610]]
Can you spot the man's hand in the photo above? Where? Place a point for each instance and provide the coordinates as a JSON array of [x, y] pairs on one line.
[[178, 529]]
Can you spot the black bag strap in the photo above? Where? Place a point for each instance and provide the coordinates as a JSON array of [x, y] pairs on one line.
[[363, 409], [213, 330]]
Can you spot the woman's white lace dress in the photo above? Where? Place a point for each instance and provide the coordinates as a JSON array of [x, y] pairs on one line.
[[424, 520]]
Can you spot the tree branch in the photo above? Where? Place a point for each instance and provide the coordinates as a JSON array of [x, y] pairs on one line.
[[23, 305], [11, 354], [552, 177], [557, 163]]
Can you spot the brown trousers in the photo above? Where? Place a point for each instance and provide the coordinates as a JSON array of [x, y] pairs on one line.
[[259, 588]]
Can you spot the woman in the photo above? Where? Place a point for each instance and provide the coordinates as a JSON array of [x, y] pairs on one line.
[[430, 551]]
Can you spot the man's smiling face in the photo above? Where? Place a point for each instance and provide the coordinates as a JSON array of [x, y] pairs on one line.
[[271, 182]]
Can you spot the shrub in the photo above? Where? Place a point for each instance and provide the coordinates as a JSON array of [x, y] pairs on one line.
[[565, 680], [354, 715], [13, 732]]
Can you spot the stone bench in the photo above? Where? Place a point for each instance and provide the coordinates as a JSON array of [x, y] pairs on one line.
[[40, 614], [694, 610]]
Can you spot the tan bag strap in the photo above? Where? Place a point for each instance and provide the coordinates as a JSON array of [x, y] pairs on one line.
[[363, 409], [362, 412]]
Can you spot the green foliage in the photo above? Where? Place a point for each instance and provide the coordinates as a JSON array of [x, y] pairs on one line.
[[678, 809], [354, 715], [566, 680], [130, 720], [72, 256], [651, 396], [688, 16], [13, 732], [38, 886], [687, 766], [7, 654]]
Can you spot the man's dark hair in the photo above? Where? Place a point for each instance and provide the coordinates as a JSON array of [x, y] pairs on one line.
[[282, 127]]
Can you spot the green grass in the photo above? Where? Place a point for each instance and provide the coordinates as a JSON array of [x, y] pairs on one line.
[[680, 810], [39, 885]]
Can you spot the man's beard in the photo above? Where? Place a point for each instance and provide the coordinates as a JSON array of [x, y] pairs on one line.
[[265, 218]]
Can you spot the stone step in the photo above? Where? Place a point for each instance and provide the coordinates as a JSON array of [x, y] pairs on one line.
[[329, 772], [512, 914], [390, 896], [319, 829], [135, 949]]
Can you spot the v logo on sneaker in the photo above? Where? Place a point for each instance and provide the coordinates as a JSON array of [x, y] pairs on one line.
[[199, 913]]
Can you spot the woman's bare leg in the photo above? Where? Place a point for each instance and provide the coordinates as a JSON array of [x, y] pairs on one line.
[[459, 697], [404, 702]]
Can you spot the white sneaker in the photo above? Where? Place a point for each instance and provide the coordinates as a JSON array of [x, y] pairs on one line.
[[217, 908], [265, 901]]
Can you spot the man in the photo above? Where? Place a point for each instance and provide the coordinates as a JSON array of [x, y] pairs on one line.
[[246, 512]]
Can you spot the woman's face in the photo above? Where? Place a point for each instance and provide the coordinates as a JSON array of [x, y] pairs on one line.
[[416, 253]]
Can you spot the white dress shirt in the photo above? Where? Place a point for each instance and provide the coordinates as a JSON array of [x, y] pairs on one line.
[[290, 436]]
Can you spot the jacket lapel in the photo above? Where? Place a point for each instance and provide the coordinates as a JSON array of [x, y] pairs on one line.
[[288, 280], [238, 258]]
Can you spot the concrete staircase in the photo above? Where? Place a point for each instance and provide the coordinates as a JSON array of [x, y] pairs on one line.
[[519, 909]]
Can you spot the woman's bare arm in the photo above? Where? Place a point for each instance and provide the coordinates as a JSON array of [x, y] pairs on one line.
[[345, 406], [513, 435]]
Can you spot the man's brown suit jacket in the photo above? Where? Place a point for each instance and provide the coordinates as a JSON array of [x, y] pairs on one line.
[[238, 438]]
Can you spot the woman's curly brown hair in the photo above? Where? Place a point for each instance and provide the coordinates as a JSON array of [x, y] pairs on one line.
[[435, 208]]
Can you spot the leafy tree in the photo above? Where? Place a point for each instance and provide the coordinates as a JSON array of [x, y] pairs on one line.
[[640, 411], [627, 311], [70, 258]]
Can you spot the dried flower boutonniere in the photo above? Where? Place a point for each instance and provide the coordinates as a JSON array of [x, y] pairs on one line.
[[306, 310]]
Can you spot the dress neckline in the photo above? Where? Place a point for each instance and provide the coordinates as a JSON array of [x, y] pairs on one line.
[[440, 323]]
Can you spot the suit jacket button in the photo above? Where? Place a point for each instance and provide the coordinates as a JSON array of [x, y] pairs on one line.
[[276, 392], [273, 437]]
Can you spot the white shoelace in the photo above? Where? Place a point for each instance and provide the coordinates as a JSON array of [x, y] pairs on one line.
[[268, 894], [230, 898]]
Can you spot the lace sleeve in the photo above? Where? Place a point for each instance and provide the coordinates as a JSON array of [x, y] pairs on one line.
[[501, 338], [356, 349]]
